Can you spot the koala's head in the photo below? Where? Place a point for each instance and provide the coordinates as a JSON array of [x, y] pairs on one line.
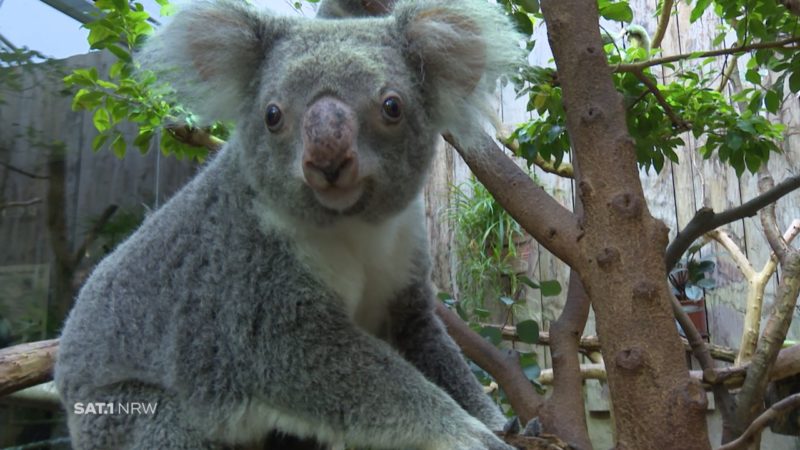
[[338, 118]]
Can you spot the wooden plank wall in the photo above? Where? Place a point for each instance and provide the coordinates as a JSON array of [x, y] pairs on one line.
[[36, 125]]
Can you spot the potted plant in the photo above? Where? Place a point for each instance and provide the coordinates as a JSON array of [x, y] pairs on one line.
[[689, 280]]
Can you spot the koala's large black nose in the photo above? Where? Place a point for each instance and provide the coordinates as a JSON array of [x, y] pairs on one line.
[[330, 157]]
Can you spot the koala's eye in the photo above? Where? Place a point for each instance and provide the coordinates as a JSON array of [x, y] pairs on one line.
[[273, 117], [392, 108]]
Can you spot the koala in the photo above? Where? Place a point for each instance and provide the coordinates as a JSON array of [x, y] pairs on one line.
[[286, 287]]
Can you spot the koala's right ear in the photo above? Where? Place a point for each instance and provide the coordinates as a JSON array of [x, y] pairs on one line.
[[211, 53]]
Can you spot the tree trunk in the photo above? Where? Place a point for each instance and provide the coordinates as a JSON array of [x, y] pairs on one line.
[[656, 404]]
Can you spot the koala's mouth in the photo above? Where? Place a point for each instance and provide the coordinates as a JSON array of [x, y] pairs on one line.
[[339, 199]]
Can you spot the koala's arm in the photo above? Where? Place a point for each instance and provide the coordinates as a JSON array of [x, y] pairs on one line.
[[422, 339], [341, 382]]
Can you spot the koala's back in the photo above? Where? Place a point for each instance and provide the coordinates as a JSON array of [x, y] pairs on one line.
[[153, 312]]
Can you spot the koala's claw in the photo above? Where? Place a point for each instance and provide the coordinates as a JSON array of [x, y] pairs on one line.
[[512, 426], [532, 428]]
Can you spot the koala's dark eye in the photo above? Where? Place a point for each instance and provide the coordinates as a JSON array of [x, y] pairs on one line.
[[273, 117], [392, 108]]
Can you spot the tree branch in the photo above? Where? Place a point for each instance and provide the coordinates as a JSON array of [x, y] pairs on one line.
[[706, 220], [20, 204], [736, 253], [725, 51], [196, 137], [768, 220], [23, 172], [663, 22], [550, 223], [751, 396], [591, 344], [564, 413], [787, 364], [503, 366], [26, 365], [777, 410], [678, 123], [728, 72]]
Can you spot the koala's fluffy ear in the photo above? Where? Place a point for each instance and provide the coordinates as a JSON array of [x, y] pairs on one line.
[[211, 53], [461, 49]]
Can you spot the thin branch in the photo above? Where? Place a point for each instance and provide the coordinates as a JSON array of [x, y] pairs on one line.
[[678, 123], [663, 23], [736, 253], [728, 72], [591, 344], [196, 137], [20, 204], [705, 219], [775, 411], [587, 372], [725, 51], [23, 172], [564, 170], [787, 364], [549, 222], [768, 220], [503, 366]]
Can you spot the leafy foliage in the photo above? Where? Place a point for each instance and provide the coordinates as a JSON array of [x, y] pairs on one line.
[[741, 136], [125, 95]]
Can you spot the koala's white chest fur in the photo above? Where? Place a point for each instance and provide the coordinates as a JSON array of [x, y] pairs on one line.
[[365, 264]]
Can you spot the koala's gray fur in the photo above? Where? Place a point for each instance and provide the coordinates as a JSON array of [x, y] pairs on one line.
[[253, 302]]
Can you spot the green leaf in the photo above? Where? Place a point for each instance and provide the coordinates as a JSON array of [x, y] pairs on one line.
[[531, 6], [753, 76], [98, 141], [528, 331], [698, 10], [523, 22], [620, 11], [118, 145], [120, 53], [494, 334], [771, 101], [101, 119], [482, 313], [794, 81], [142, 142], [86, 99], [734, 140], [550, 288]]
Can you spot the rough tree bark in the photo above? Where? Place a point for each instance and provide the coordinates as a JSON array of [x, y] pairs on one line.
[[564, 412], [621, 260]]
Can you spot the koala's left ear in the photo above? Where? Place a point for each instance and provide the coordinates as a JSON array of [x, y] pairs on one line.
[[211, 53], [460, 50]]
